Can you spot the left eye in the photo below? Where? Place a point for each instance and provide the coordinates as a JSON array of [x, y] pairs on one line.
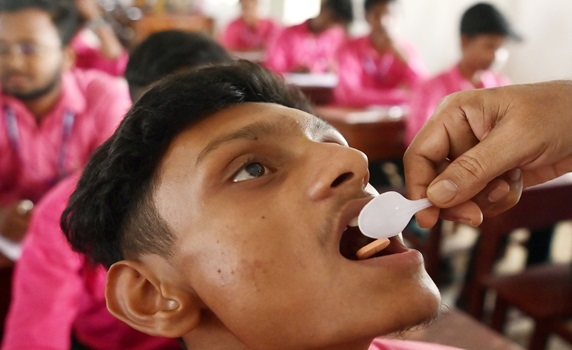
[[250, 171]]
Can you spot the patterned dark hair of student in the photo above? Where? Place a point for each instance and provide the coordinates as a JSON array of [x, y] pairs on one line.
[[342, 9], [169, 51], [368, 4], [63, 14], [484, 18], [111, 215]]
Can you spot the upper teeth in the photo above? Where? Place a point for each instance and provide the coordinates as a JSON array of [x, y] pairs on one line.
[[353, 222]]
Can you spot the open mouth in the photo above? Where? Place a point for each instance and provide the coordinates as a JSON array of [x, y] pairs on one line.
[[353, 240]]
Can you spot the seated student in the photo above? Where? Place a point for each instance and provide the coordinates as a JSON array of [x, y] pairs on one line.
[[484, 32], [74, 303], [222, 220], [376, 69], [249, 32], [96, 46], [311, 46]]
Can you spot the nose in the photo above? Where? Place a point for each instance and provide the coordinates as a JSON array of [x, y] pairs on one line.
[[336, 169]]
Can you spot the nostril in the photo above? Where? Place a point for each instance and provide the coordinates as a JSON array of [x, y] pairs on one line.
[[341, 179]]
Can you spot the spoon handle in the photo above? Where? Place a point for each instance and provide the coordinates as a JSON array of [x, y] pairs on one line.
[[419, 204]]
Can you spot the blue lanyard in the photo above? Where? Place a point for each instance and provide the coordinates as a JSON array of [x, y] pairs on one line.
[[14, 137]]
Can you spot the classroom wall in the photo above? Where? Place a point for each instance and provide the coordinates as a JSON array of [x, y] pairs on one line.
[[432, 25]]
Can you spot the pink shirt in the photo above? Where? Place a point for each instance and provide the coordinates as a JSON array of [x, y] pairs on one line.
[[297, 47], [34, 157], [367, 77], [88, 56], [393, 344], [238, 35], [56, 292], [426, 97]]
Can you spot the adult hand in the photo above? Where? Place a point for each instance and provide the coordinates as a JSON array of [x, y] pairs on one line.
[[482, 147], [14, 221]]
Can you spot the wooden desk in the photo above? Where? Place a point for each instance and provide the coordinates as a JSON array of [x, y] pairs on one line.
[[318, 88], [378, 132], [455, 328]]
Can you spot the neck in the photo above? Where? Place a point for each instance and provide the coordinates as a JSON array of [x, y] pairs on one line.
[[40, 106], [318, 24], [471, 74]]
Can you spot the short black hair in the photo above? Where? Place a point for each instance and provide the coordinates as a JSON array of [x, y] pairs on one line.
[[111, 215], [63, 14], [484, 18], [342, 9], [368, 4], [166, 52]]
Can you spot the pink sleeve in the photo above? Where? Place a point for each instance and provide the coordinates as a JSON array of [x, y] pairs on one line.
[[47, 284], [424, 100], [395, 344], [351, 91], [88, 57], [108, 102]]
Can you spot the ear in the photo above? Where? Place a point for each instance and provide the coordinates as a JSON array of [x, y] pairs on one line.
[[137, 297], [69, 57]]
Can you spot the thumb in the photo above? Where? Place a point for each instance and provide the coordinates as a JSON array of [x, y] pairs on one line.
[[470, 173]]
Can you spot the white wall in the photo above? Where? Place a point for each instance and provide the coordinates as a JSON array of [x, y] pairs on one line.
[[433, 26]]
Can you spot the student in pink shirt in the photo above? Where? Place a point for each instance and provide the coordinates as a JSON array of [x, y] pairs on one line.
[[483, 34], [52, 117], [74, 303], [231, 227], [249, 32], [310, 47], [96, 46], [377, 69]]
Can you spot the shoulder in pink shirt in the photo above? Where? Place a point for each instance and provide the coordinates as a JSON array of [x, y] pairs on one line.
[[35, 156], [427, 95], [297, 47], [238, 35], [367, 77], [56, 292]]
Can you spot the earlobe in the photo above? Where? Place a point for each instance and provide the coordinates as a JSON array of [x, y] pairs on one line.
[[137, 297]]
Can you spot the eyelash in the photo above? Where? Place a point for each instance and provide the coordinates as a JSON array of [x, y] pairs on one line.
[[245, 164]]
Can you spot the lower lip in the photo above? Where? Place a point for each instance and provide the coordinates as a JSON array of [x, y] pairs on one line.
[[407, 259]]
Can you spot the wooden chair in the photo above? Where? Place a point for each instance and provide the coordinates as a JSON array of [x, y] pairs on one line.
[[543, 293], [538, 207]]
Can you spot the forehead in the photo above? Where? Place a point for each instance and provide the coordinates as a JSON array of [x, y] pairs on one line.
[[247, 122], [253, 118], [27, 25]]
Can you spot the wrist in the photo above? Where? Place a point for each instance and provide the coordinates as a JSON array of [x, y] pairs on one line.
[[96, 22]]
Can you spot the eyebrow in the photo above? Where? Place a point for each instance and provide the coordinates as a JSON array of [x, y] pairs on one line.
[[265, 129]]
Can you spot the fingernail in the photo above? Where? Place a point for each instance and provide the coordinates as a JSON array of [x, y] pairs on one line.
[[442, 192], [515, 174], [497, 194]]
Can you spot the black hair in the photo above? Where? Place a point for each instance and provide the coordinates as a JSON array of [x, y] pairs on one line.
[[484, 18], [166, 52], [368, 4], [342, 9], [63, 14], [111, 215]]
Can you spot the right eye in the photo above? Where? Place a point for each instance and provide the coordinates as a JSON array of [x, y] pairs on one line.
[[250, 171]]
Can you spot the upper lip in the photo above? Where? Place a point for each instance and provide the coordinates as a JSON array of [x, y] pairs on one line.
[[350, 211]]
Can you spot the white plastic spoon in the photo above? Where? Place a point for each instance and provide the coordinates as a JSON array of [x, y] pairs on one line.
[[388, 214]]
